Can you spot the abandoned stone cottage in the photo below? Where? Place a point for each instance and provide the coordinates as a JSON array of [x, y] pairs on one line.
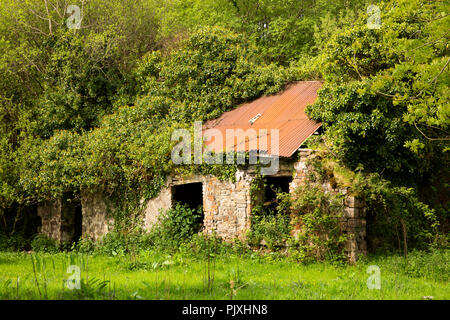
[[226, 205]]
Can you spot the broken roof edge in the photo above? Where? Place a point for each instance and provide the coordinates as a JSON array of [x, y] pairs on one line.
[[300, 146]]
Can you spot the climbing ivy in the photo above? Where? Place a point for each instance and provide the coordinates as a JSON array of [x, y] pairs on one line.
[[214, 70]]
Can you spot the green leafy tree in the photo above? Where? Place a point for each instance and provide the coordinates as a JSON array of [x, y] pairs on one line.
[[378, 83]]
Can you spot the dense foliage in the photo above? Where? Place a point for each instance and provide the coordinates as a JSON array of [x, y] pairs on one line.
[[387, 89], [176, 226], [396, 218], [385, 102], [92, 109]]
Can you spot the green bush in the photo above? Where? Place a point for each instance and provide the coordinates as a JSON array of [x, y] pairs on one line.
[[433, 265], [113, 244], [176, 226], [84, 245], [316, 215], [14, 242], [42, 243], [272, 230], [270, 225]]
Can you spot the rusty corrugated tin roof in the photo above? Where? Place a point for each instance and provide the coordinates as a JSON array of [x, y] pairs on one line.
[[284, 111]]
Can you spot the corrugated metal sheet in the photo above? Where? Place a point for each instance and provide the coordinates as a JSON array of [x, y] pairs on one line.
[[284, 111]]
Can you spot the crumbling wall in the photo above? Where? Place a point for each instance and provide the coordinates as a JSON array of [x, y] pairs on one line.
[[226, 204], [353, 223], [50, 214], [154, 207], [227, 207], [97, 215]]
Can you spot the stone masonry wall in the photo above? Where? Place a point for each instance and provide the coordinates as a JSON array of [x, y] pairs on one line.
[[353, 223], [226, 205], [163, 201], [154, 206], [58, 220], [97, 219], [50, 214]]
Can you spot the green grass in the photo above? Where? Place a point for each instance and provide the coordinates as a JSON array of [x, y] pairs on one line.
[[152, 275]]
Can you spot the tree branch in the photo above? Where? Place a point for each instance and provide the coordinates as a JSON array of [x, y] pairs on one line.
[[431, 139], [49, 19]]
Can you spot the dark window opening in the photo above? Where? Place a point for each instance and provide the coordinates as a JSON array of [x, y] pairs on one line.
[[273, 186], [190, 194], [78, 232]]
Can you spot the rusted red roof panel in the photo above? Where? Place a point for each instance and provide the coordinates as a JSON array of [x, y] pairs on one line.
[[284, 111]]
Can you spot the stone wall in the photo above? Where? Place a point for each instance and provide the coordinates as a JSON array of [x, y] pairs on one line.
[[163, 201], [154, 207], [57, 220], [226, 205], [353, 223], [50, 214], [97, 217]]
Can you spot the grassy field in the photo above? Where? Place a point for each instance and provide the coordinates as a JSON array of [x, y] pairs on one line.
[[152, 275]]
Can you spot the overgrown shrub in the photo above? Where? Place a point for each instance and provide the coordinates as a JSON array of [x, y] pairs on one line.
[[316, 218], [271, 230], [127, 235], [175, 226], [42, 243], [201, 245], [15, 242], [85, 245], [310, 214], [433, 265]]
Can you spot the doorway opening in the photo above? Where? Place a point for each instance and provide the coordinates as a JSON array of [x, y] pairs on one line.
[[78, 228], [71, 218], [275, 185], [191, 195]]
